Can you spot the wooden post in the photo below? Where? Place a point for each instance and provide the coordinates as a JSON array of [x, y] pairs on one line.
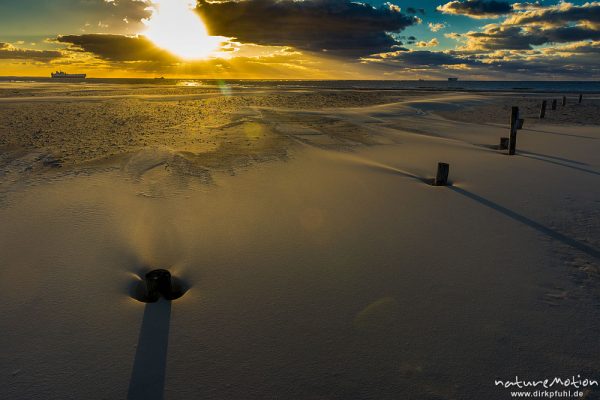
[[520, 123], [441, 178], [158, 282], [514, 116], [503, 143], [554, 104], [580, 97], [564, 103], [543, 109]]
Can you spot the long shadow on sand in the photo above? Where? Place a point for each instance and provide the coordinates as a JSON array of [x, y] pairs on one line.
[[535, 157], [561, 134], [563, 162], [148, 375], [439, 118], [531, 153], [529, 222]]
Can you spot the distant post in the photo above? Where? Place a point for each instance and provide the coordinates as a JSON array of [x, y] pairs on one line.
[[543, 109], [554, 104], [564, 101], [514, 116], [503, 143], [580, 97], [441, 178]]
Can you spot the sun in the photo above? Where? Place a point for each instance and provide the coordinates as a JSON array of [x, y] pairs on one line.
[[175, 27]]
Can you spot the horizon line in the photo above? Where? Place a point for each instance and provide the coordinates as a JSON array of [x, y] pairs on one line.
[[295, 79]]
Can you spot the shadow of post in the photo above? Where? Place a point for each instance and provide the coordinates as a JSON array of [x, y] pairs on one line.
[[148, 374], [561, 134], [529, 222], [562, 164], [552, 157]]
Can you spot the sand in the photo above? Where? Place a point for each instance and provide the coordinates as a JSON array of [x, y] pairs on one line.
[[495, 107], [320, 263]]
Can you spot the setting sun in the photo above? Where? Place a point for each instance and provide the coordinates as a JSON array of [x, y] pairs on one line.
[[175, 27]]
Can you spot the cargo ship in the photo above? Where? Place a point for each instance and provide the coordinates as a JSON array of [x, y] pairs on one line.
[[60, 74]]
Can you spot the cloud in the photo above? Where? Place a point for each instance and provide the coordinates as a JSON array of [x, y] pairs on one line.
[[479, 9], [569, 60], [579, 48], [437, 27], [432, 43], [337, 27], [558, 15], [538, 25], [120, 16], [453, 35], [572, 60], [10, 52], [527, 6], [49, 17], [420, 58], [335, 38], [517, 38], [248, 62], [118, 47]]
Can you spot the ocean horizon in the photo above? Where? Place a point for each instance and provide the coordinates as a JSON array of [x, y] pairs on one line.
[[426, 85]]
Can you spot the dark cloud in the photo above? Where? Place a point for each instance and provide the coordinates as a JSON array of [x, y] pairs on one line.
[[571, 60], [431, 58], [565, 34], [557, 15], [118, 47], [338, 27], [501, 37], [10, 52], [539, 25], [476, 8], [422, 58], [581, 48]]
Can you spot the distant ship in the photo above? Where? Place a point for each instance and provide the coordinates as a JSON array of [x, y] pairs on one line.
[[452, 79], [60, 74]]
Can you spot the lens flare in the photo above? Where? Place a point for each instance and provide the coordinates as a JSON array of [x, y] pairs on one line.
[[175, 27]]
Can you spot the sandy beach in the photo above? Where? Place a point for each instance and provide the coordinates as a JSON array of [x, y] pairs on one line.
[[320, 262]]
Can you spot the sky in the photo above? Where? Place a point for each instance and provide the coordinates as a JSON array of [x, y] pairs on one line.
[[302, 39]]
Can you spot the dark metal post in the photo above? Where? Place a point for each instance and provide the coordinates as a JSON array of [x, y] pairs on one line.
[[564, 103], [554, 104], [158, 282], [443, 171], [514, 116], [580, 97], [543, 109]]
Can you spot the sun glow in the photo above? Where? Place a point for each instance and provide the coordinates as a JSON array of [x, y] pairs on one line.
[[175, 27]]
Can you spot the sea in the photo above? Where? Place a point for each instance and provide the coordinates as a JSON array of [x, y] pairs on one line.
[[433, 85]]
